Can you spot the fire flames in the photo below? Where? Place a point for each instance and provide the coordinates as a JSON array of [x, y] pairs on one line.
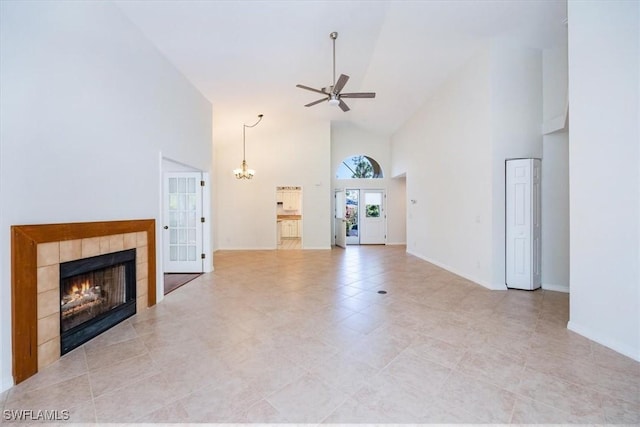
[[82, 296], [84, 287]]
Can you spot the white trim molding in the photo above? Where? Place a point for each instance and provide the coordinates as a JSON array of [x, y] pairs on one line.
[[604, 340], [464, 275], [556, 288]]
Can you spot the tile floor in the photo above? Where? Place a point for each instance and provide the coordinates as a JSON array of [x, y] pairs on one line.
[[304, 336], [290, 243]]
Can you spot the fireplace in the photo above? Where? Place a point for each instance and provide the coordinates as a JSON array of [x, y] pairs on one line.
[[96, 293], [36, 254]]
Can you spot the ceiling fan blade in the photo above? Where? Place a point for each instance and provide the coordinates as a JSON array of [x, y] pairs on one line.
[[342, 80], [343, 106], [358, 95], [315, 102], [311, 89]]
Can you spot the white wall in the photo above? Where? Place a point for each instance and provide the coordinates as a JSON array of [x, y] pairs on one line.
[[555, 171], [604, 83], [516, 117], [347, 141], [555, 212], [453, 151], [397, 211], [283, 152], [87, 107], [445, 150]]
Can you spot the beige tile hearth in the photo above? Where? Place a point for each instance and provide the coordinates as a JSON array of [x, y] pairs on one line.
[[304, 337]]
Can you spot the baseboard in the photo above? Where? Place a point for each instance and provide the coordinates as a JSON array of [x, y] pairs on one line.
[[313, 248], [604, 340], [556, 288], [458, 273], [6, 382], [246, 249], [396, 243]]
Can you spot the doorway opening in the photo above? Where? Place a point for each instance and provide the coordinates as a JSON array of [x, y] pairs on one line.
[[289, 217], [185, 233], [173, 281], [365, 218], [352, 214]]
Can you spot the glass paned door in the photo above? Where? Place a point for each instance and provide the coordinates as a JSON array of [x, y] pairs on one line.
[[352, 199], [183, 226], [339, 219]]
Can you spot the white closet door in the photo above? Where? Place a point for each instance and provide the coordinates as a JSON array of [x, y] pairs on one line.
[[523, 224]]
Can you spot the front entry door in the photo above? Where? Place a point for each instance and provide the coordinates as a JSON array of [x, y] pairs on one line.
[[339, 220], [183, 227], [352, 216], [372, 218]]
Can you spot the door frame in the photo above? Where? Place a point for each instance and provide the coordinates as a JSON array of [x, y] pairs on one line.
[[361, 190], [339, 229], [170, 165], [353, 240], [300, 190], [197, 265]]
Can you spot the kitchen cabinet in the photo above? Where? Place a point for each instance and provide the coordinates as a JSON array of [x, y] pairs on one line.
[[290, 228], [291, 200]]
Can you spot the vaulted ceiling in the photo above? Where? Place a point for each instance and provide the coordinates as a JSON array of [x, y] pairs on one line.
[[246, 57]]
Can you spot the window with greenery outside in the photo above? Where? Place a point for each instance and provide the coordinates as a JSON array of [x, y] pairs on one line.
[[358, 167], [373, 211]]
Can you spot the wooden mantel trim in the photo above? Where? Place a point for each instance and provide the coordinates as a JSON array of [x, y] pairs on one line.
[[24, 242]]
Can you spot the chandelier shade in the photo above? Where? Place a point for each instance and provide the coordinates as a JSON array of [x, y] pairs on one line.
[[244, 172]]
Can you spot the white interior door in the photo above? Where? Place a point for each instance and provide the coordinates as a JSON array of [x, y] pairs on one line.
[[536, 228], [183, 225], [518, 224], [340, 229], [373, 218]]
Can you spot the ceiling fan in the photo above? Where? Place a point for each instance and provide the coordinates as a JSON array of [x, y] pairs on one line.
[[333, 94]]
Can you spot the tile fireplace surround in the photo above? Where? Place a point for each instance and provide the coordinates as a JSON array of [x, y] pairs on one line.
[[36, 254]]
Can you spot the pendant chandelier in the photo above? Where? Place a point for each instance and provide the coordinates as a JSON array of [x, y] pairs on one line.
[[244, 172]]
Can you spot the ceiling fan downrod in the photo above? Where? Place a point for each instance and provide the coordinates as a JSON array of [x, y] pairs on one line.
[[334, 36]]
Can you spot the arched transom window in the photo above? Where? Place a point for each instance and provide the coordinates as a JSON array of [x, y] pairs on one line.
[[360, 166]]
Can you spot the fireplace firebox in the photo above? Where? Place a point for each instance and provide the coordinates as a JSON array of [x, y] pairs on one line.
[[96, 294]]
